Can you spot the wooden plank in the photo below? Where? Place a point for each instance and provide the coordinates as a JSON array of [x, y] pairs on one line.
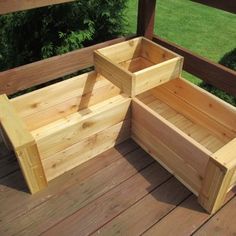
[[189, 216], [123, 51], [54, 102], [8, 6], [157, 74], [149, 210], [146, 18], [182, 144], [86, 149], [194, 114], [212, 73], [214, 107], [103, 209], [63, 133], [156, 53], [24, 146], [15, 201], [23, 77], [14, 127], [120, 77], [167, 158], [218, 178], [83, 191], [222, 223], [229, 5]]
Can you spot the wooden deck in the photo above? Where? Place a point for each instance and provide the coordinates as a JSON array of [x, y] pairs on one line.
[[121, 192]]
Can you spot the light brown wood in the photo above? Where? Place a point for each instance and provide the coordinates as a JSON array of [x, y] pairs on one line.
[[23, 77], [86, 149], [124, 51], [24, 146], [181, 144], [121, 64], [157, 74], [57, 101], [212, 106], [14, 127], [166, 157], [115, 73], [193, 113], [215, 186], [7, 6], [63, 133]]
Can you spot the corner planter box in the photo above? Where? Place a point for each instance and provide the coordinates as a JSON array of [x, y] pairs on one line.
[[137, 65], [56, 128], [192, 134]]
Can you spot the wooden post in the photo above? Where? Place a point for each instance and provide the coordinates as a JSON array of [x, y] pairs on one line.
[[24, 146], [146, 18], [219, 173]]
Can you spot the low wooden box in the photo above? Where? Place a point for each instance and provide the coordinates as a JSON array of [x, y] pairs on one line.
[[192, 134], [56, 128], [137, 65]]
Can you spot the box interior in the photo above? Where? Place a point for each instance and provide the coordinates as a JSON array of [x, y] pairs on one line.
[[61, 100], [183, 114], [137, 54]]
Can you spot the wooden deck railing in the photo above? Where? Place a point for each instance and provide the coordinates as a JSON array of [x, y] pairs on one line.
[[24, 77]]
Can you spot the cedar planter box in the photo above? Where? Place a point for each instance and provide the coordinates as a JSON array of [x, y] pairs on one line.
[[192, 134], [57, 128], [137, 65], [187, 130]]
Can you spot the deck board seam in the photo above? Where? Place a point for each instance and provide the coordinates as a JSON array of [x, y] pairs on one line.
[[137, 173]]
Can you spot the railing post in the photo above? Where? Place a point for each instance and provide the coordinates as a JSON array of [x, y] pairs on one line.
[[146, 18]]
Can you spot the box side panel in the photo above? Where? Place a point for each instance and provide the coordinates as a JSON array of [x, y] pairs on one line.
[[64, 133], [24, 146], [123, 51], [157, 75], [86, 149], [188, 149], [116, 74], [51, 103], [212, 106]]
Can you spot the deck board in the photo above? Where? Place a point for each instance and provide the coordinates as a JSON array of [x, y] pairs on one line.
[[120, 192]]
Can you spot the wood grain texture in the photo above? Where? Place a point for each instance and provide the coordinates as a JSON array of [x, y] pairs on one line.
[[182, 144], [57, 101], [13, 126], [120, 77], [212, 73], [63, 133], [16, 202], [215, 186], [86, 149], [222, 223], [111, 204], [23, 77], [149, 210], [74, 190], [8, 6]]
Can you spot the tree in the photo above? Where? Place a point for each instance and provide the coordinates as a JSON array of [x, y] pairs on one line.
[[32, 35]]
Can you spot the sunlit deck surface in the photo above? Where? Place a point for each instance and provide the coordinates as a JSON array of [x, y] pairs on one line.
[[121, 192]]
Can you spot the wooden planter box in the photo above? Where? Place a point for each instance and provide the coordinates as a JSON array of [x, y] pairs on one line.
[[189, 131], [56, 128], [192, 134], [137, 65]]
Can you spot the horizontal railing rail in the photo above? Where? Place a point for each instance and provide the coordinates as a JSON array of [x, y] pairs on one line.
[[210, 72]]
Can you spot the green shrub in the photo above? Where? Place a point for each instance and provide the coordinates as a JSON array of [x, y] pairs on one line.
[[228, 60], [29, 36]]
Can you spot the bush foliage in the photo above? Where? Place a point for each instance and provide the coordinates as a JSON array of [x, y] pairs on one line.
[[29, 36]]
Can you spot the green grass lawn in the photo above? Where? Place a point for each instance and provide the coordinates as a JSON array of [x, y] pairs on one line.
[[207, 31]]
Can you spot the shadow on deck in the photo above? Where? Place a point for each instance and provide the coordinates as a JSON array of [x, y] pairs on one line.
[[121, 192]]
